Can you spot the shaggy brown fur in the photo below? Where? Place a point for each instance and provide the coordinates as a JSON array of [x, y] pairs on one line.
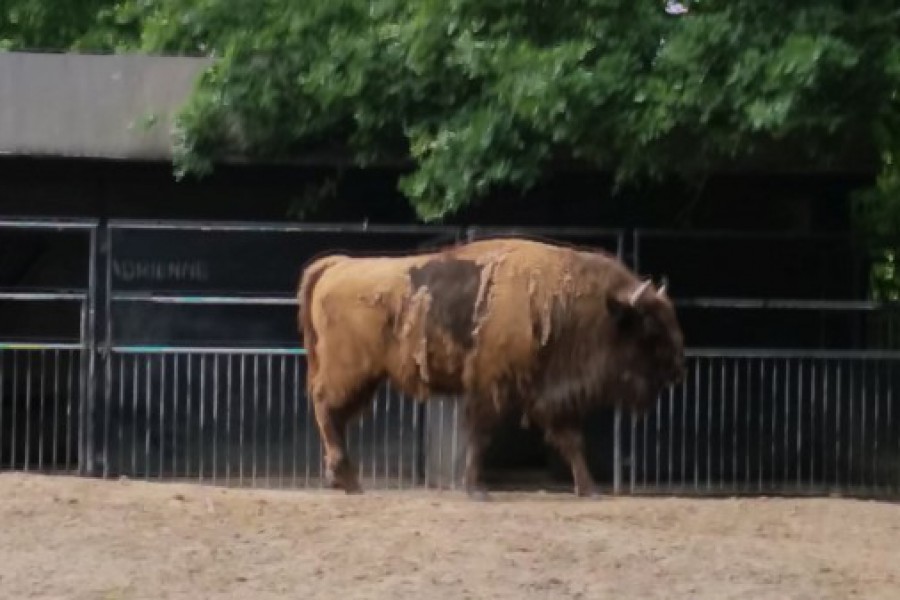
[[506, 323]]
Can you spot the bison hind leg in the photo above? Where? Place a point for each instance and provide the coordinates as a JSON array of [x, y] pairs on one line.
[[332, 419]]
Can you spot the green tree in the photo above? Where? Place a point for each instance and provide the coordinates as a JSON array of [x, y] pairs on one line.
[[481, 94]]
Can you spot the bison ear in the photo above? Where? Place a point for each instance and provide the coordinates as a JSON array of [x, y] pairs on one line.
[[621, 311]]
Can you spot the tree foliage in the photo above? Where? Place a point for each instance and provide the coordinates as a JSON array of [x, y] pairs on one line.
[[486, 93]]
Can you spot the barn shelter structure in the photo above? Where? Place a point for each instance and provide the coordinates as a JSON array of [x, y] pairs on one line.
[[148, 327]]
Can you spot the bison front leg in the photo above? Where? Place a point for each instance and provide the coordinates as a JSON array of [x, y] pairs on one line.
[[477, 443], [570, 444], [479, 422], [340, 472]]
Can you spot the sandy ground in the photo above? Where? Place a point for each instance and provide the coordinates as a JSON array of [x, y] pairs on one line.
[[77, 539]]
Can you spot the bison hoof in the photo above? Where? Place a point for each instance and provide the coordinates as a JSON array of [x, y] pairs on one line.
[[478, 495], [589, 494]]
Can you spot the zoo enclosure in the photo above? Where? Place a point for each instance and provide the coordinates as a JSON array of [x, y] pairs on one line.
[[165, 366]]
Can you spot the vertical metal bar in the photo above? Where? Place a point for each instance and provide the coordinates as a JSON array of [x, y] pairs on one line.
[[697, 371], [683, 469], [296, 413], [189, 409], [644, 435], [121, 432], [228, 392], [85, 443], [281, 420], [107, 411], [863, 438], [762, 411], [415, 407], [671, 432], [88, 392], [255, 419], [241, 419], [734, 424], [876, 426], [617, 449], [201, 410], [214, 476], [748, 414], [3, 401], [723, 383], [799, 440], [837, 420], [27, 455], [375, 436], [107, 352], [162, 415], [360, 431], [710, 370], [134, 412], [15, 401], [201, 414], [889, 407], [41, 396], [659, 402], [70, 410], [812, 422], [307, 434], [442, 430], [774, 418], [402, 448], [455, 457], [147, 420], [851, 406], [387, 425], [632, 451], [175, 419], [787, 417], [825, 423], [268, 418]]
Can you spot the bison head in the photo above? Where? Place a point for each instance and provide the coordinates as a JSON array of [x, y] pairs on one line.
[[649, 344]]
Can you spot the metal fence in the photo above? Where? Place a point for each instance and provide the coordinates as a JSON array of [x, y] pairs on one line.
[[45, 380], [183, 374], [773, 422]]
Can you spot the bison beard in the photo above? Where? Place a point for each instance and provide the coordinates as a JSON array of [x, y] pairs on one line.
[[508, 324]]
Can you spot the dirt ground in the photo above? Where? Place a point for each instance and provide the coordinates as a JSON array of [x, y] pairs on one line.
[[85, 539]]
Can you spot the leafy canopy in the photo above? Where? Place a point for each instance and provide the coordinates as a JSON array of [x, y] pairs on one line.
[[487, 93]]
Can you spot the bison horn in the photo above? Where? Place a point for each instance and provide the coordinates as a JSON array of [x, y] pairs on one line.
[[637, 293], [661, 291]]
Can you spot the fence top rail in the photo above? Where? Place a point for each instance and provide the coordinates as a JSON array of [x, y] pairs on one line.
[[786, 304], [277, 227], [793, 353], [763, 235], [154, 349], [157, 298], [45, 296], [538, 230], [40, 346], [47, 223], [772, 353]]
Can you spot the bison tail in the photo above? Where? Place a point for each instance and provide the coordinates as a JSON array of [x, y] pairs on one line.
[[311, 274]]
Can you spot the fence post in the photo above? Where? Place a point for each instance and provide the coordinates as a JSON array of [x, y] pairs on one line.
[[87, 404], [617, 449]]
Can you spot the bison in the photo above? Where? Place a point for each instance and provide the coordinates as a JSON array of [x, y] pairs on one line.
[[548, 330]]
